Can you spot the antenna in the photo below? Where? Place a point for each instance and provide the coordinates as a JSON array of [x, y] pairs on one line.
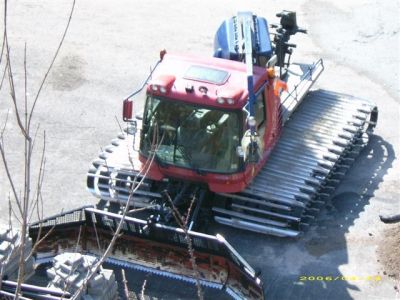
[[245, 19]]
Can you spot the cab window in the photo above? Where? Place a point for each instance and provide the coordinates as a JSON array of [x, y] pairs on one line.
[[260, 110]]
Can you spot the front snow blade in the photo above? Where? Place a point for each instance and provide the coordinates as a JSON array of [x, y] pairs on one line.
[[158, 249]]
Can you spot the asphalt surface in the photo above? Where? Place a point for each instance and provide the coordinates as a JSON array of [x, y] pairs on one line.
[[108, 52]]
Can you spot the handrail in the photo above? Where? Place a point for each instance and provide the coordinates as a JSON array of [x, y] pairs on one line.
[[147, 79], [138, 232], [39, 292], [307, 77]]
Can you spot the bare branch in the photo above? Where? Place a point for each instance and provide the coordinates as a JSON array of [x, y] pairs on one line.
[[3, 76], [24, 202], [116, 235], [141, 209], [9, 213], [190, 210], [118, 123], [143, 290], [79, 239], [4, 34], [12, 88], [52, 62], [9, 177], [97, 236], [38, 242], [125, 283], [4, 127], [40, 179], [25, 91], [13, 212], [180, 221]]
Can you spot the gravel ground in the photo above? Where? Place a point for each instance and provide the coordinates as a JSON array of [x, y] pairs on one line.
[[108, 52]]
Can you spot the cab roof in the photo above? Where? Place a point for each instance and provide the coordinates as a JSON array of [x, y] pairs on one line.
[[203, 80]]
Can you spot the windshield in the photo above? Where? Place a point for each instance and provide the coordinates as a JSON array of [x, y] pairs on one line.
[[191, 136]]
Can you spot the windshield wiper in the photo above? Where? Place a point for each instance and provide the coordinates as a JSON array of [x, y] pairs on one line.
[[175, 141]]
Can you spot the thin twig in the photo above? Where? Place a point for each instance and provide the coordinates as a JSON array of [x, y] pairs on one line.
[[13, 212], [52, 62], [179, 220], [142, 291], [78, 241], [3, 76], [4, 128], [13, 94], [24, 201], [25, 91], [40, 179], [5, 163], [2, 46], [9, 177], [67, 283], [120, 224], [35, 136], [141, 209], [190, 210], [38, 242], [119, 124], [125, 283], [97, 236], [6, 259], [9, 213]]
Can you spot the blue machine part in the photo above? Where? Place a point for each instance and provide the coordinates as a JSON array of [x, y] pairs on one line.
[[229, 35]]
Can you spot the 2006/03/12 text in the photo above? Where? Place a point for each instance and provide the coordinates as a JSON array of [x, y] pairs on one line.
[[336, 278]]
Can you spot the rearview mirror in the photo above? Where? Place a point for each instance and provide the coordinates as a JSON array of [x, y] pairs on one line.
[[127, 110]]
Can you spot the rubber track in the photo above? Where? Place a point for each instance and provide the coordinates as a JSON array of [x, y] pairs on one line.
[[317, 146]]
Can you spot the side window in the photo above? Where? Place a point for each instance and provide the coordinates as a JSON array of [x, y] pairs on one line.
[[260, 110]]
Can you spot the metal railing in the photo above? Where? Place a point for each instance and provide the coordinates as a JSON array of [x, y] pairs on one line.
[[298, 92], [87, 218]]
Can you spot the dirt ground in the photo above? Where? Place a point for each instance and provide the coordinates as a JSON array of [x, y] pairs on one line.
[[108, 53], [389, 252]]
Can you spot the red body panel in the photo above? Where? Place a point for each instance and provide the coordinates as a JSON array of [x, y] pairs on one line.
[[271, 135], [176, 66], [235, 85]]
